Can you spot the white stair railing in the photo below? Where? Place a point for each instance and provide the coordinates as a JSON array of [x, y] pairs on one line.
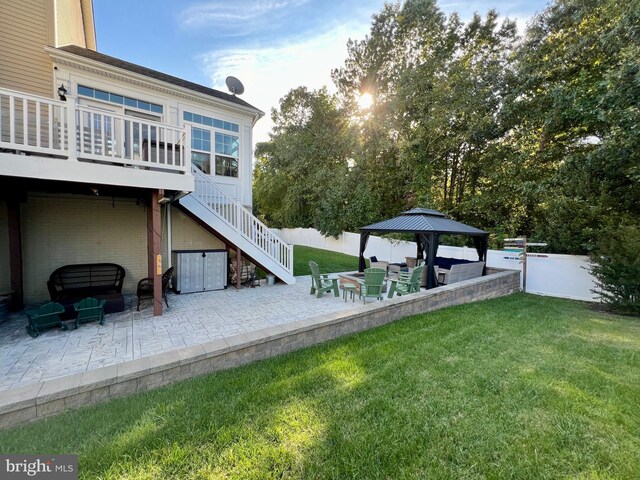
[[241, 220]]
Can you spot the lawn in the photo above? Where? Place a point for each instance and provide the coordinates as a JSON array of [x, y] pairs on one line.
[[327, 260], [519, 387]]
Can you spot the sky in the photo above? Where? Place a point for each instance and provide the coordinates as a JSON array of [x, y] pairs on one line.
[[272, 46]]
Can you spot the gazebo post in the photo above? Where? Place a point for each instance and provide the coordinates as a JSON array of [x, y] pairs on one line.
[[431, 256]]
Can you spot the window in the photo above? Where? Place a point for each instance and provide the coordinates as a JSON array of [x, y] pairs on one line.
[[200, 148], [119, 99], [210, 122], [227, 149]]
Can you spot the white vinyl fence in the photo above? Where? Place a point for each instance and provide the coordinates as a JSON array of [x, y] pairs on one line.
[[565, 276]]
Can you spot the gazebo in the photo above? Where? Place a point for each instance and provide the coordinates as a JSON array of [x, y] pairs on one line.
[[427, 225]]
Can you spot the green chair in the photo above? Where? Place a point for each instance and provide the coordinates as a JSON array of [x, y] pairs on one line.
[[322, 283], [89, 310], [48, 315], [373, 283], [406, 282]]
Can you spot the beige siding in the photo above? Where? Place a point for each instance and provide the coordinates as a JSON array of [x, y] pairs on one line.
[[5, 274], [24, 32], [188, 235], [69, 23], [89, 26], [62, 230]]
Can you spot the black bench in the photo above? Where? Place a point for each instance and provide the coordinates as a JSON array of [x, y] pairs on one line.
[[71, 283]]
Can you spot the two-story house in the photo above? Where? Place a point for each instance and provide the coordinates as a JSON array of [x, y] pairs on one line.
[[102, 160]]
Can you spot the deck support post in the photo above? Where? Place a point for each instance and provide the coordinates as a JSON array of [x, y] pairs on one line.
[[15, 255], [238, 268], [154, 256]]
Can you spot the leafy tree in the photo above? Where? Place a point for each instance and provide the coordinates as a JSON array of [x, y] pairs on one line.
[[304, 164], [575, 117], [438, 87]]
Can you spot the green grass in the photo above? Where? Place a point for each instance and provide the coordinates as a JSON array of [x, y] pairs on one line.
[[327, 260], [520, 387]]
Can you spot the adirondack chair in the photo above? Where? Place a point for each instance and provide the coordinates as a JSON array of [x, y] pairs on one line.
[[48, 315], [372, 284], [322, 283], [406, 282], [89, 309]]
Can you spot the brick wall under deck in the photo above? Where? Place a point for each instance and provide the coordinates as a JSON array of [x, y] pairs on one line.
[[51, 397]]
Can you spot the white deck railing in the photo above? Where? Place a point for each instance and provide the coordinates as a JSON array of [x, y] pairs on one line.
[[41, 126], [234, 214]]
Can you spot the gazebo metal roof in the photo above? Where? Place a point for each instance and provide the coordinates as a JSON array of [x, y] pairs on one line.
[[423, 220]]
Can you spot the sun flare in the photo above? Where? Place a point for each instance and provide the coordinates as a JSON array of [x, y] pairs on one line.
[[365, 101]]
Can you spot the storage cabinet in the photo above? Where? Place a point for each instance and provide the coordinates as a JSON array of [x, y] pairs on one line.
[[200, 270]]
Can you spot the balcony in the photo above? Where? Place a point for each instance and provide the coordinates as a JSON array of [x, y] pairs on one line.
[[50, 139]]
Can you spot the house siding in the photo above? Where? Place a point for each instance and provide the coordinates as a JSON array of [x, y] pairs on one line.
[[188, 235], [24, 32], [61, 230], [70, 23]]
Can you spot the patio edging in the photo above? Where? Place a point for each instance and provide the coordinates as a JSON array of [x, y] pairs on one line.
[[39, 400]]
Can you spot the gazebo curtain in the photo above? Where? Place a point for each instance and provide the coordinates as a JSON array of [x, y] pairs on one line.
[[482, 246], [364, 238]]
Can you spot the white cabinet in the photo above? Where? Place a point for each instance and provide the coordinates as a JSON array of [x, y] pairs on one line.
[[200, 270]]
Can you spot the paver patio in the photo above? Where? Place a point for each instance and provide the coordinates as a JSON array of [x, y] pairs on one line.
[[191, 319]]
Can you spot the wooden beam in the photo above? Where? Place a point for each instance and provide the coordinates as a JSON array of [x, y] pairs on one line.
[[238, 268], [154, 245], [15, 255]]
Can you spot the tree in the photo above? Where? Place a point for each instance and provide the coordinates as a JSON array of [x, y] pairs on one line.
[[439, 86], [304, 164], [576, 116]]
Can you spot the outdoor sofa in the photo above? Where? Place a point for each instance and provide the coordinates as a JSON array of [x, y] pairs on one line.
[[69, 284], [457, 272]]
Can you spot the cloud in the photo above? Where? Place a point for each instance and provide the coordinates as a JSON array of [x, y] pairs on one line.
[[269, 72], [226, 15]]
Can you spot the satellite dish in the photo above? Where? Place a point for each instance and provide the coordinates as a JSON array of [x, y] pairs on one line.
[[234, 85]]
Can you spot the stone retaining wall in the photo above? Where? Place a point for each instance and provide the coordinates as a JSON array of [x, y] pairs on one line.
[[25, 404]]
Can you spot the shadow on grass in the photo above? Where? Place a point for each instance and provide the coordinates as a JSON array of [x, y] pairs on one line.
[[503, 388]]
